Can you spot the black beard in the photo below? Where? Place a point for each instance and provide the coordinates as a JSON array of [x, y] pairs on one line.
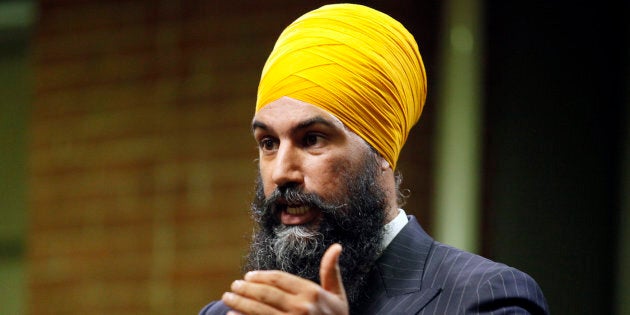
[[355, 220]]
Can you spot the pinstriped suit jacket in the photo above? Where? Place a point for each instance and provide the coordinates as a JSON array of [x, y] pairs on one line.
[[417, 275]]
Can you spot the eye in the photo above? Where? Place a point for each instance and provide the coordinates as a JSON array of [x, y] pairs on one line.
[[311, 140], [268, 144]]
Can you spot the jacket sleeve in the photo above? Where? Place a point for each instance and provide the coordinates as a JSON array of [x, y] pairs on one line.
[[214, 308]]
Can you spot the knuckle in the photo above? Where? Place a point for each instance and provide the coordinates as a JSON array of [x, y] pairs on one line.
[[266, 296], [311, 295]]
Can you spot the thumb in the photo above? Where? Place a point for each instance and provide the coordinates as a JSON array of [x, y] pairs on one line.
[[329, 271]]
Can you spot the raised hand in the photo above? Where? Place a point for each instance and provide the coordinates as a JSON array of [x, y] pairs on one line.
[[277, 292]]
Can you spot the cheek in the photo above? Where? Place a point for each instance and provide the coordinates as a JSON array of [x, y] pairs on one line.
[[265, 176], [326, 178]]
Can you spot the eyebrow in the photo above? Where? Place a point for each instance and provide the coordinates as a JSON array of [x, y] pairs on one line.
[[317, 120]]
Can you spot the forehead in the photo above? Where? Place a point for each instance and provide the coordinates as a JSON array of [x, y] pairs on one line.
[[287, 111]]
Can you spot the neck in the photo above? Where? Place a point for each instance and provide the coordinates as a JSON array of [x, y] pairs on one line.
[[388, 182]]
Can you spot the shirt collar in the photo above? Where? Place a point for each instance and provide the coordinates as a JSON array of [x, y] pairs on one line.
[[391, 229]]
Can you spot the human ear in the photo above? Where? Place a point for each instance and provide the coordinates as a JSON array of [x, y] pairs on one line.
[[384, 164]]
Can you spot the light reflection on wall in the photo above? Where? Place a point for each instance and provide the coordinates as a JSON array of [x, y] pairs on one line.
[[458, 128]]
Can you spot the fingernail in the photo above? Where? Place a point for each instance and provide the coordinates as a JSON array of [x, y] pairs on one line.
[[249, 274], [236, 285], [227, 296]]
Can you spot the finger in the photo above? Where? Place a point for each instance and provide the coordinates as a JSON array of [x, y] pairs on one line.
[[329, 271], [281, 280], [245, 305], [262, 293]]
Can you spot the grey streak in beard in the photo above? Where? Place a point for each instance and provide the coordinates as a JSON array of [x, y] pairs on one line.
[[295, 242]]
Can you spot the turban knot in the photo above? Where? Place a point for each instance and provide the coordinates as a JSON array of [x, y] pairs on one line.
[[356, 63]]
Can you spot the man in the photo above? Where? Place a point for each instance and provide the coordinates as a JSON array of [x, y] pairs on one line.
[[338, 96]]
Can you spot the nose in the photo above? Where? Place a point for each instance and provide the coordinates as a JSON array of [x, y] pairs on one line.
[[287, 167]]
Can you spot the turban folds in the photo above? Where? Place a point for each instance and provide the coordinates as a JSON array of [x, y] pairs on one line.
[[356, 63]]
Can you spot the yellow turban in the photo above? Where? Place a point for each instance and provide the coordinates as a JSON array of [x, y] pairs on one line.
[[358, 64]]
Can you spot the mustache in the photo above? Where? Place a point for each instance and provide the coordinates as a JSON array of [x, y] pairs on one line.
[[292, 195]]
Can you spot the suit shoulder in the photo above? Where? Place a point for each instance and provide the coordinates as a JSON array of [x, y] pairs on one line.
[[480, 283], [461, 266]]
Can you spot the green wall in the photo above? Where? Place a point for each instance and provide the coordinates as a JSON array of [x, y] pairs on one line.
[[15, 91], [13, 111]]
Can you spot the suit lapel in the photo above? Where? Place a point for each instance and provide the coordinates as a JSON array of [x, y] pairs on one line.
[[397, 280]]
